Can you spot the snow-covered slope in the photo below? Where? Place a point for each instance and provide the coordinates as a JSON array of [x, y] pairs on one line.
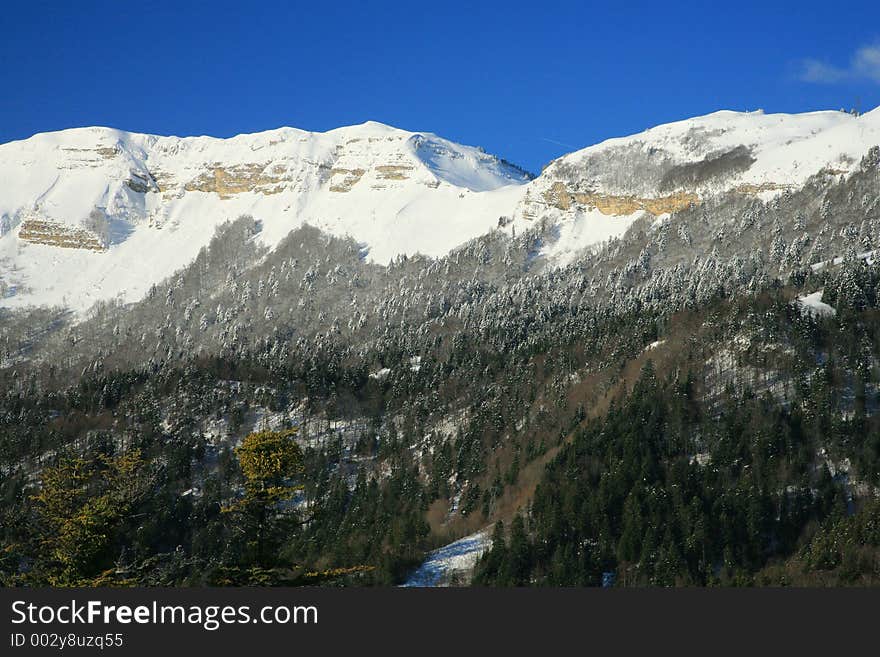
[[94, 213], [600, 190], [452, 564]]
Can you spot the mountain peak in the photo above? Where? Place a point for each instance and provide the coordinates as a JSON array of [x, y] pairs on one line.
[[83, 206]]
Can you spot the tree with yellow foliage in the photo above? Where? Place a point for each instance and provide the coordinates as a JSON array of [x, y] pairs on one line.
[[270, 462]]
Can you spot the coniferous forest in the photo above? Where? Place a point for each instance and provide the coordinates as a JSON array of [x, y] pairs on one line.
[[692, 404]]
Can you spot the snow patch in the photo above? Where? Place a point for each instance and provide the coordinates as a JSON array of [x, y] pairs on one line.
[[446, 565], [812, 304]]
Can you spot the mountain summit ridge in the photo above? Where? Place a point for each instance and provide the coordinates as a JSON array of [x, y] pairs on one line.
[[82, 206], [595, 193], [96, 213]]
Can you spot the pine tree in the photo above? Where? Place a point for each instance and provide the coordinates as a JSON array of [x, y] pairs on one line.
[[271, 462], [81, 503]]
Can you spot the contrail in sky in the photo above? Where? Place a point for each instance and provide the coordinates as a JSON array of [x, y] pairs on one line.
[[558, 143]]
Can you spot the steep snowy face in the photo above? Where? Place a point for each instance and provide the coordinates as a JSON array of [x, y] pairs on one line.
[[600, 190], [96, 213]]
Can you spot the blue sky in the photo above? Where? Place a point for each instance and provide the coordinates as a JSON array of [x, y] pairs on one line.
[[527, 81]]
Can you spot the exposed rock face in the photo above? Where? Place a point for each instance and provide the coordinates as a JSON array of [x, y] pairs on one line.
[[393, 172], [345, 179], [227, 181], [753, 189], [51, 233], [140, 183], [559, 197]]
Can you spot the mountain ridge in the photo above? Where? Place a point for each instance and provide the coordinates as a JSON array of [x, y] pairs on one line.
[[83, 206], [77, 188]]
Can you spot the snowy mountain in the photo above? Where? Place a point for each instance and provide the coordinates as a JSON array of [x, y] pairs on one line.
[[96, 213], [596, 193], [720, 352]]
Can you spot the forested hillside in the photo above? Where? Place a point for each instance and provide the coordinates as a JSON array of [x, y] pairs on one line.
[[693, 403]]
